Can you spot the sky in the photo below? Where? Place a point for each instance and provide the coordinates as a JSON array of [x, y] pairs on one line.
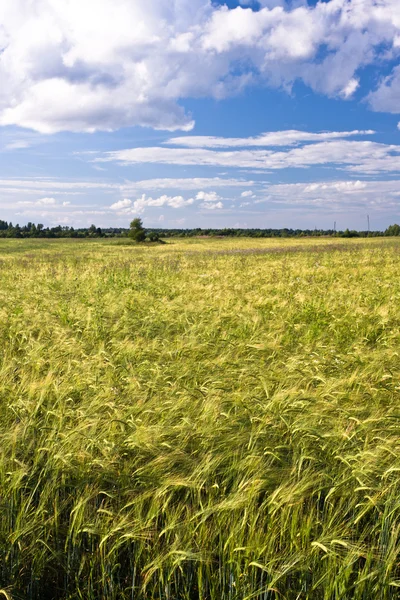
[[191, 113]]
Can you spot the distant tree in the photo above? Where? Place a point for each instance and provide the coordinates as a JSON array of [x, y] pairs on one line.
[[393, 230], [136, 231], [153, 236], [349, 233]]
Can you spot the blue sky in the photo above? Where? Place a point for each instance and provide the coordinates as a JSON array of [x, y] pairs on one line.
[[199, 114]]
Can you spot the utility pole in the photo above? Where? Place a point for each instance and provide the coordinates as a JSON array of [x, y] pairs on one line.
[[334, 226], [368, 222]]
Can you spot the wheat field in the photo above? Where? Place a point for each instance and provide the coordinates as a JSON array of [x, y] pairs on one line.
[[200, 420]]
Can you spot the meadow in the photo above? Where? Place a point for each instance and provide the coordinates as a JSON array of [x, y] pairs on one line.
[[200, 420]]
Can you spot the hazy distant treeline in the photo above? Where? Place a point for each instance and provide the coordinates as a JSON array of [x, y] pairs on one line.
[[32, 230]]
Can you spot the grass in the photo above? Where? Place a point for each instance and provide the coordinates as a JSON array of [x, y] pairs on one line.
[[203, 420]]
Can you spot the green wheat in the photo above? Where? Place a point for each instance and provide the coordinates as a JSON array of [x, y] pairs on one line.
[[201, 420]]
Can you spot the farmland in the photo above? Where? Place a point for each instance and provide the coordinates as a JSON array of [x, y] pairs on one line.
[[200, 420]]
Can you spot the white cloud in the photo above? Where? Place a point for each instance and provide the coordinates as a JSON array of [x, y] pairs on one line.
[[105, 64], [289, 137], [350, 88], [247, 194], [56, 187], [212, 205], [138, 206], [100, 64], [42, 202], [354, 156], [323, 198], [207, 196], [121, 204], [54, 184], [192, 156], [355, 196], [18, 145], [386, 97], [51, 106], [285, 43], [46, 201], [173, 201], [184, 183], [338, 186]]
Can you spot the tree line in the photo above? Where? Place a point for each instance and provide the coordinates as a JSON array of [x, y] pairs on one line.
[[139, 233]]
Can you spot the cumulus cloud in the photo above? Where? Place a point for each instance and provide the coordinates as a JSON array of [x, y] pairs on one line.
[[212, 205], [106, 64], [100, 64], [210, 201], [247, 194], [207, 196], [386, 97], [138, 206], [337, 186], [350, 88], [121, 204]]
